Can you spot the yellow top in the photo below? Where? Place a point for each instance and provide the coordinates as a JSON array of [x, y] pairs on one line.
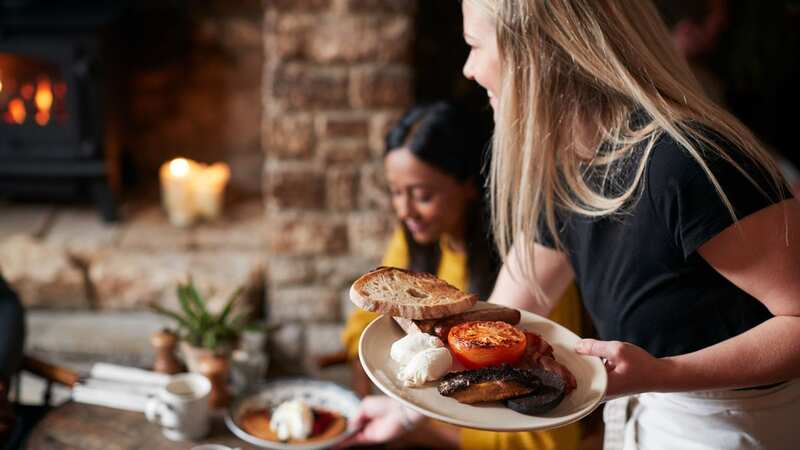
[[453, 269]]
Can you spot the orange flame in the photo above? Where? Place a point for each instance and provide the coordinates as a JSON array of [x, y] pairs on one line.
[[43, 101], [16, 108], [44, 95]]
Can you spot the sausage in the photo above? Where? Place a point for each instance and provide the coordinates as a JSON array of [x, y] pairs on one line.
[[500, 313]]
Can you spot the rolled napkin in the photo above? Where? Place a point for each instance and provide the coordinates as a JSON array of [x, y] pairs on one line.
[[123, 374], [113, 399], [117, 386]]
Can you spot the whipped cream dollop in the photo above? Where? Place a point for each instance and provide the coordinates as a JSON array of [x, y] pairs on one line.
[[404, 349], [427, 365], [292, 419]]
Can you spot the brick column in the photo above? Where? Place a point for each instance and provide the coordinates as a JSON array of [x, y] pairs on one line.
[[337, 72]]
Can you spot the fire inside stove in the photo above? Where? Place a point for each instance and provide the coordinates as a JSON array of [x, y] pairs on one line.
[[31, 92]]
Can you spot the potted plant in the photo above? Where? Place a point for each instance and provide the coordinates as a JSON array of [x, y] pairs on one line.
[[202, 332]]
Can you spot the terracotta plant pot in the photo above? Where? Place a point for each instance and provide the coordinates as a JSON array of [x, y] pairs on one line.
[[217, 368]]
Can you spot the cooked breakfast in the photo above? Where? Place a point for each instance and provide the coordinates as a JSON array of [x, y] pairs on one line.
[[546, 383], [293, 422], [503, 362]]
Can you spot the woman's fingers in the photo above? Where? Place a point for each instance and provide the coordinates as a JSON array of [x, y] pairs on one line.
[[378, 420], [361, 419], [609, 350]]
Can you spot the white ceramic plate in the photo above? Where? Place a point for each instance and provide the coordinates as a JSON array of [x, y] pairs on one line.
[[316, 393], [589, 372]]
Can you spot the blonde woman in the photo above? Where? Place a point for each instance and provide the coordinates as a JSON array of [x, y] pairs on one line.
[[611, 168]]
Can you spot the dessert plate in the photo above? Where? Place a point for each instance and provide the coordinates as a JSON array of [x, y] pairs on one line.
[[317, 394]]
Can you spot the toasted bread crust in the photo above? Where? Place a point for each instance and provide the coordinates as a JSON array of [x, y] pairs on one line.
[[412, 295]]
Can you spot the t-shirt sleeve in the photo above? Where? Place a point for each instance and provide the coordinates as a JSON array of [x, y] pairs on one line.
[[689, 204]]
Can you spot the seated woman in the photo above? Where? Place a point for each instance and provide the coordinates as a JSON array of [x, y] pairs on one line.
[[433, 162]]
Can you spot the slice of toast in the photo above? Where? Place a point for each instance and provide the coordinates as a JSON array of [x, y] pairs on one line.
[[407, 294]]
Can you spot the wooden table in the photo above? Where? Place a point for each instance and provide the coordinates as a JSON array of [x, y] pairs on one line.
[[88, 427]]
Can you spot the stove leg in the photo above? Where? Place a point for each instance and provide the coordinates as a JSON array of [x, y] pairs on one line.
[[104, 200]]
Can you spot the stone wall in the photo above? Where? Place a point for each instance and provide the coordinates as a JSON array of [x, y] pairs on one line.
[[336, 74], [86, 285], [66, 259]]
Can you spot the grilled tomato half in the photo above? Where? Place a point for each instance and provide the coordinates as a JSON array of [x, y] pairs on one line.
[[482, 343]]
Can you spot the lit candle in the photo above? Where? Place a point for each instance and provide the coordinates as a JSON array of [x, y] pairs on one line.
[[209, 189], [177, 191]]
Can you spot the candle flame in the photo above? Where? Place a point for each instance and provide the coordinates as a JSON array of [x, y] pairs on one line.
[[179, 167]]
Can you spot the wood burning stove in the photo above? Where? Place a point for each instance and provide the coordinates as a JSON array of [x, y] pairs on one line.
[[53, 136]]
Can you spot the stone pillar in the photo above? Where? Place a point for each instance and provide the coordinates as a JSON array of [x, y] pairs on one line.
[[337, 73]]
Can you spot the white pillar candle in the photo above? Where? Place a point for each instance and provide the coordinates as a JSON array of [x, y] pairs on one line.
[[177, 190], [209, 189]]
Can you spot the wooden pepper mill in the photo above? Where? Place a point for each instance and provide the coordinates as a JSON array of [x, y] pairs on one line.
[[216, 368], [164, 342]]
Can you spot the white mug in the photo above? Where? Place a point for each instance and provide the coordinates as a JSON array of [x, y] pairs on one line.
[[181, 407]]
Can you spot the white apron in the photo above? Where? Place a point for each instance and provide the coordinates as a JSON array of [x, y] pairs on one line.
[[711, 420]]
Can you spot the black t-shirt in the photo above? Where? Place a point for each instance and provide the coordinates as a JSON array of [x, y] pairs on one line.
[[638, 271]]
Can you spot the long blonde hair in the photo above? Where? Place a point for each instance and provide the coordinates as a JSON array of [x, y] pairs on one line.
[[573, 71]]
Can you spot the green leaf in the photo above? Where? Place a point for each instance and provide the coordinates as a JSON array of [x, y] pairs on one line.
[[183, 298], [199, 303]]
